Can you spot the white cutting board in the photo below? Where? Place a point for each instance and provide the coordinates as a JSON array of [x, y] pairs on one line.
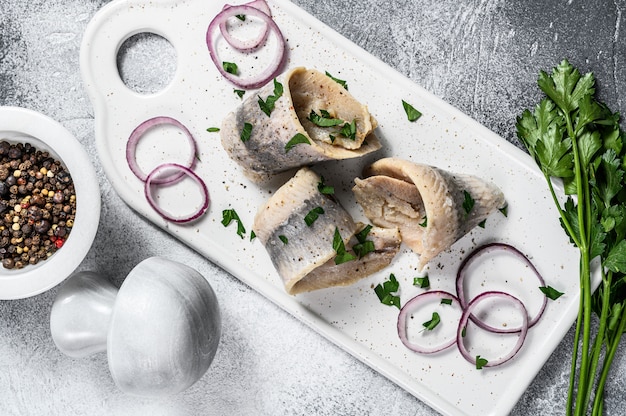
[[351, 317]]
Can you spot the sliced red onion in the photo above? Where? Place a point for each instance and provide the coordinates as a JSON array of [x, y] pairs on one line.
[[140, 130], [250, 44], [523, 329], [486, 249], [268, 73], [415, 303], [152, 180]]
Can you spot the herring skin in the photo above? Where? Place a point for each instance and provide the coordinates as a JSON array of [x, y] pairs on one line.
[[307, 261]]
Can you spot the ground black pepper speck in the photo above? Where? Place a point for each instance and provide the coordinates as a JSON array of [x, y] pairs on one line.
[[37, 206]]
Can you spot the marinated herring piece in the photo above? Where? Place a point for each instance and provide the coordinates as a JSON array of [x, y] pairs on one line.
[[327, 122], [303, 252], [432, 208]]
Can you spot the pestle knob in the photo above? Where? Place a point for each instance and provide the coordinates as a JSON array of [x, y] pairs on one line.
[[160, 330]]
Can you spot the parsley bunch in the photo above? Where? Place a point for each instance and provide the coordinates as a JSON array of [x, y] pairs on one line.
[[578, 140]]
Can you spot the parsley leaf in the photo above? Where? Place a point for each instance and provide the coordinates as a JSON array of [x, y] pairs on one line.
[[387, 292], [616, 258], [433, 322], [349, 130], [565, 86], [230, 67], [213, 129], [268, 105], [246, 132], [550, 292], [283, 239], [240, 93], [313, 215], [324, 119], [337, 80], [480, 362], [468, 202], [411, 113], [422, 282], [230, 215], [364, 246], [299, 138], [342, 256], [325, 189]]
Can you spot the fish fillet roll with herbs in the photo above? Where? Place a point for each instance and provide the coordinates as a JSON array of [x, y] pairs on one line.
[[300, 118], [313, 241], [432, 208]]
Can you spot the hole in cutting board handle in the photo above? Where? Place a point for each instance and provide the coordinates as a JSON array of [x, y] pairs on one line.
[[146, 63]]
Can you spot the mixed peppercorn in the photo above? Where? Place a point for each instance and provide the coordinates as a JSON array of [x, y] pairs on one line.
[[37, 206]]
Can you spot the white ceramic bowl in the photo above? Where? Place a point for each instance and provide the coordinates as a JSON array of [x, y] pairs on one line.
[[22, 125]]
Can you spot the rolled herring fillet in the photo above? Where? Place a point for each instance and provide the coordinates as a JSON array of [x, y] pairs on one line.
[[303, 254], [265, 152], [425, 203]]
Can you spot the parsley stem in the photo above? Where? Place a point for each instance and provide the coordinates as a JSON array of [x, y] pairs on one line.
[[599, 339], [598, 402]]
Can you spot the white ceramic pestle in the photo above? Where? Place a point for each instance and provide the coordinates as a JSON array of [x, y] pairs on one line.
[[160, 330]]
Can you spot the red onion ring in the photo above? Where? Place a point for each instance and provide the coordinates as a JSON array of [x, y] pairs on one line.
[[410, 306], [489, 248], [151, 180], [523, 330], [268, 73], [250, 44], [137, 134]]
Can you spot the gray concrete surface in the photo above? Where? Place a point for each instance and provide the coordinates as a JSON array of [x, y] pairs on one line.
[[482, 56]]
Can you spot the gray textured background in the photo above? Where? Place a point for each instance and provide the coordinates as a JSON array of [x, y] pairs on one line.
[[481, 56]]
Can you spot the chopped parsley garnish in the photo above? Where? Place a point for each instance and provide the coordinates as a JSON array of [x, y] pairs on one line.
[[387, 292], [252, 235], [240, 93], [550, 292], [480, 362], [505, 210], [342, 255], [362, 235], [268, 105], [446, 301], [246, 132], [313, 215], [349, 130], [468, 202], [364, 246], [337, 80], [283, 239], [230, 215], [324, 119], [299, 138], [482, 223], [213, 129], [434, 321], [325, 189], [230, 67], [361, 249], [241, 17], [411, 113], [424, 223], [422, 282]]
